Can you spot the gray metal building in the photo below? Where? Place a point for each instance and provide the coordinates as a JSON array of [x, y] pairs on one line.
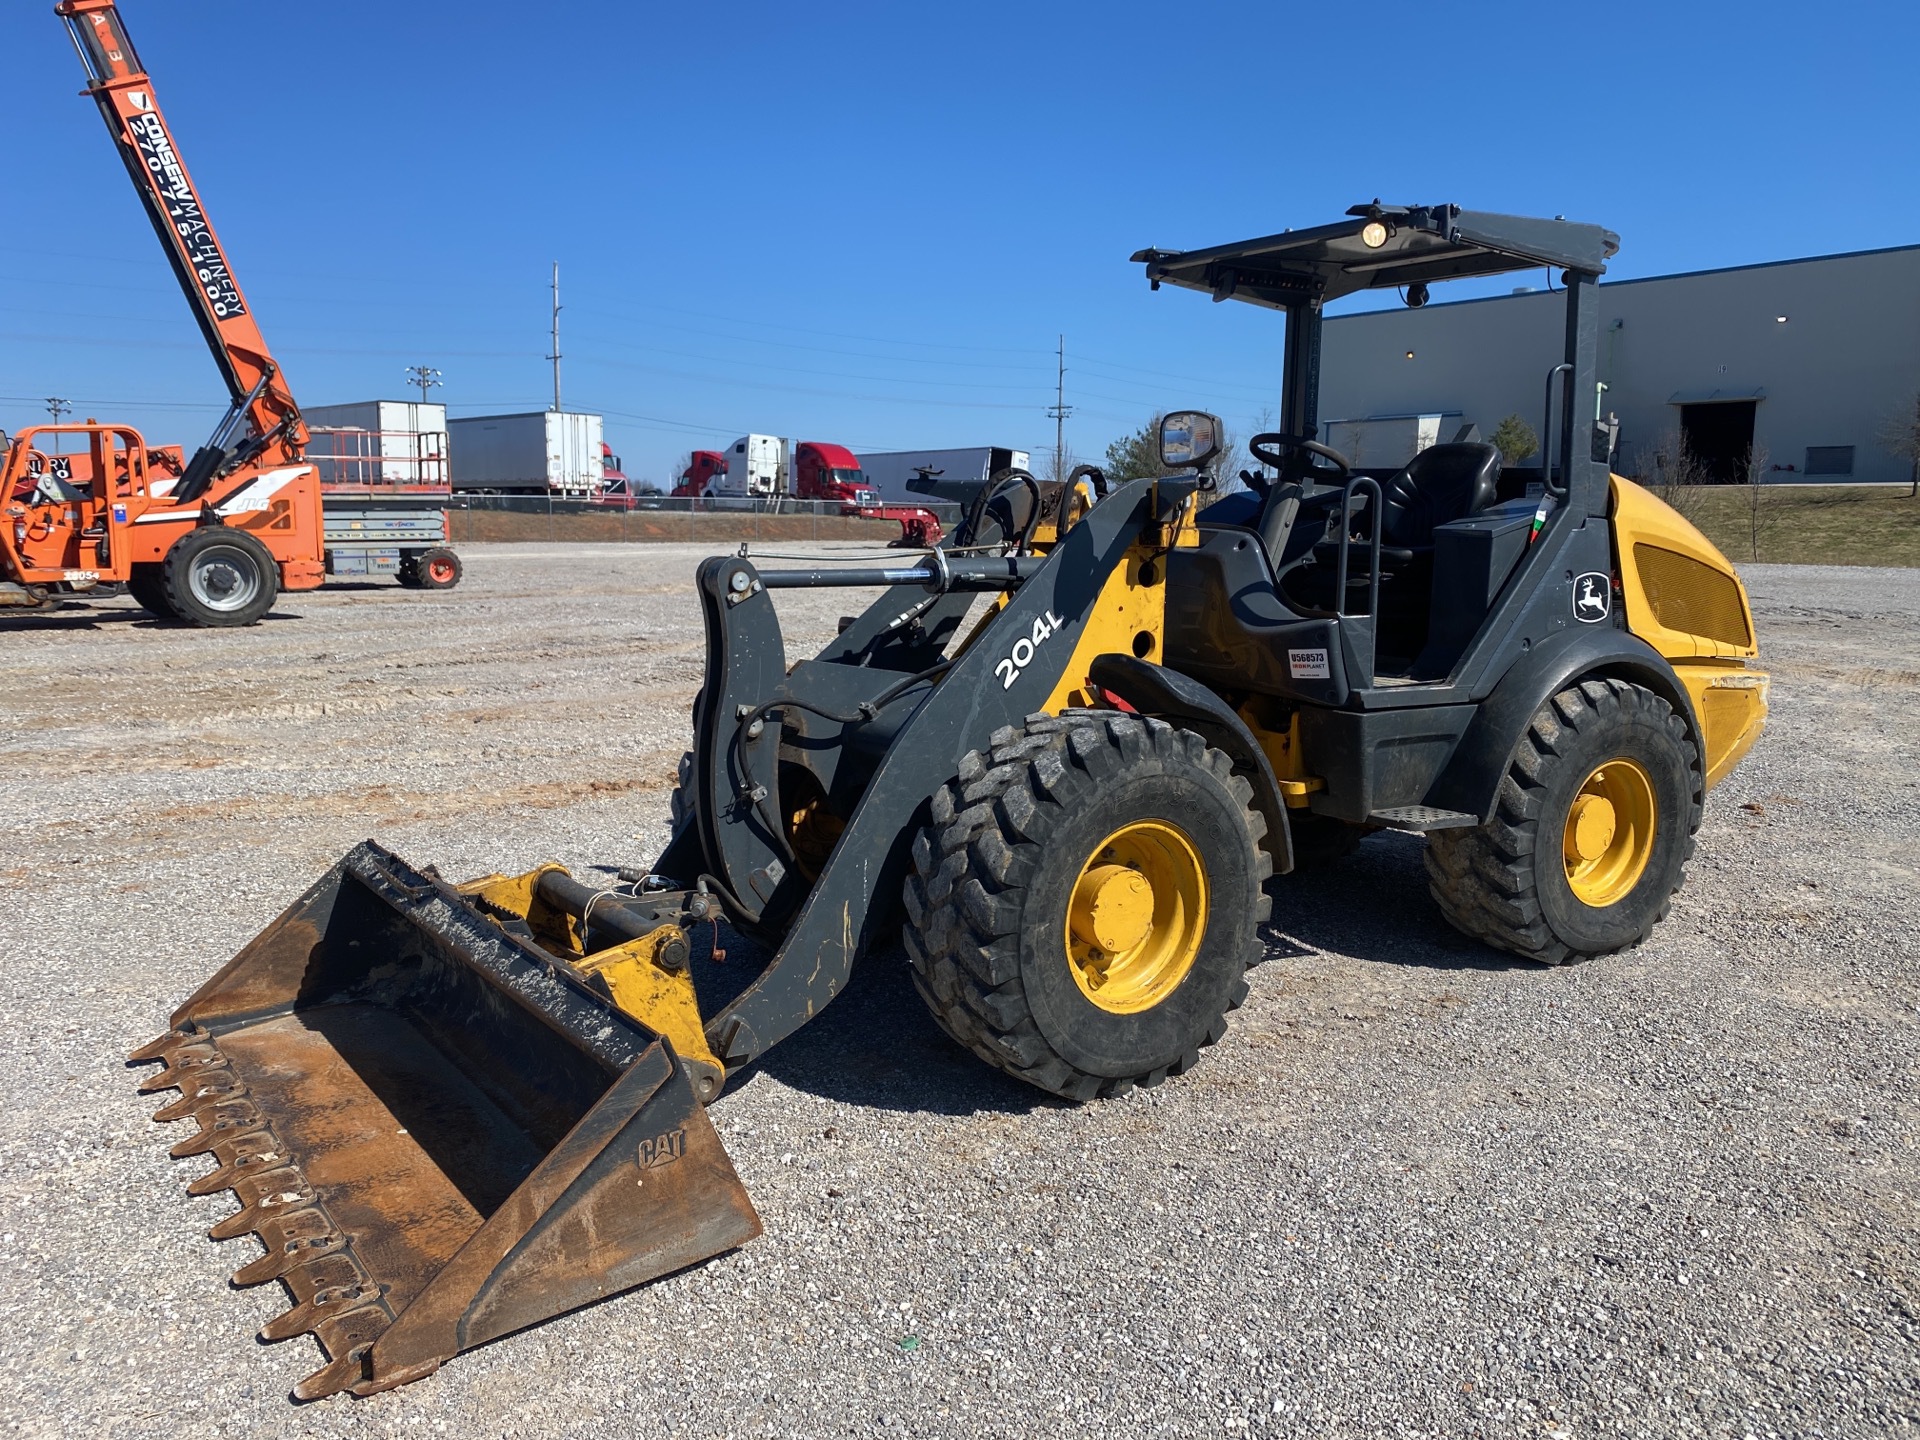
[[1805, 360]]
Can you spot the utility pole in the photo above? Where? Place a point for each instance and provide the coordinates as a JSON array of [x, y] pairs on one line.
[[425, 376], [1059, 412], [56, 407], [555, 356]]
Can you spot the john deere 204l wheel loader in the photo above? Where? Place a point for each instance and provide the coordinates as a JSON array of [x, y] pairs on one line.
[[450, 1112]]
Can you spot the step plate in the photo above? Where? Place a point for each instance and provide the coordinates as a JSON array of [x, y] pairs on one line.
[[1421, 818]]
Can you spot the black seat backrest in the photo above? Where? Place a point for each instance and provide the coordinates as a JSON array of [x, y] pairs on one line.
[[1440, 484]]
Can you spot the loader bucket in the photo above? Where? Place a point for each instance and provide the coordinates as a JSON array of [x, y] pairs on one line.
[[439, 1133]]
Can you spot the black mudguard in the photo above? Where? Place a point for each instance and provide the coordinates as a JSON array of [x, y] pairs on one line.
[[1471, 781], [1167, 694]]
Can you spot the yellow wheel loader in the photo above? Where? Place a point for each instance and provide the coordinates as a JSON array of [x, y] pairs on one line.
[[453, 1111]]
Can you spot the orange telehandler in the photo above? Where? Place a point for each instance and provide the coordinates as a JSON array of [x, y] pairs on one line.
[[212, 541]]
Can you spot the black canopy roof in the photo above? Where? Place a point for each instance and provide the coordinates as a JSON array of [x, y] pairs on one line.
[[1433, 242]]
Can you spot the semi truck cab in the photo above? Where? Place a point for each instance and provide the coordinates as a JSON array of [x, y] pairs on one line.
[[830, 472]]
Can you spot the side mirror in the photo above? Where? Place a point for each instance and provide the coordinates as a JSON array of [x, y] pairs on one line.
[[1189, 439]]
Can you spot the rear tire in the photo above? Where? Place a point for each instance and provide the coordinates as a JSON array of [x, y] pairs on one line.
[[1011, 875], [148, 586], [216, 576], [435, 569], [1591, 833]]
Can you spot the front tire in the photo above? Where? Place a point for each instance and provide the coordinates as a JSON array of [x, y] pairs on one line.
[[1085, 899], [1591, 833], [148, 586], [217, 576]]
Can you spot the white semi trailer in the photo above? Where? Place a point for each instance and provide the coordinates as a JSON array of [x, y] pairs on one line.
[[546, 452]]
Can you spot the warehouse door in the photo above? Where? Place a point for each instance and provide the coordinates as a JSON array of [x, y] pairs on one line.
[[1718, 437]]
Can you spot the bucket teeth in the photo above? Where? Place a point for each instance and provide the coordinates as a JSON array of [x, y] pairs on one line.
[[349, 1370], [251, 1153], [160, 1048], [198, 1090], [220, 1123], [185, 1061], [335, 1300], [277, 1263], [333, 1296], [260, 1212]]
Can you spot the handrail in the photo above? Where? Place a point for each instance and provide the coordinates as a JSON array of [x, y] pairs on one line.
[[1347, 494], [1547, 446]]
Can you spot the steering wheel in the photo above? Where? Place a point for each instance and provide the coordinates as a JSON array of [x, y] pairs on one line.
[[29, 489], [1271, 450]]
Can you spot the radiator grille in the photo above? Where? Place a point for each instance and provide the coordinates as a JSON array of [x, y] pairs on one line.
[[1691, 597]]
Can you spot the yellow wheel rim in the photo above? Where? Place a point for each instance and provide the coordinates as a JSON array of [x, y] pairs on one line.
[[1136, 917], [1609, 833]]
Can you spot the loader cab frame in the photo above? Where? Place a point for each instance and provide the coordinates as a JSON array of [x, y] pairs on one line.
[[1382, 625]]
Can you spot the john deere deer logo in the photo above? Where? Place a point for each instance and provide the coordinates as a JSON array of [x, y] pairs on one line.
[[1592, 597]]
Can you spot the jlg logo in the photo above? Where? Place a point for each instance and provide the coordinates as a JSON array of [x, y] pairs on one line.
[[1021, 656]]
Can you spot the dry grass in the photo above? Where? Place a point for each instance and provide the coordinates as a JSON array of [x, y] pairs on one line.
[[1812, 524]]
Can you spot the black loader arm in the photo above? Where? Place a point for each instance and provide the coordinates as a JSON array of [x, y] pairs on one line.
[[1006, 674]]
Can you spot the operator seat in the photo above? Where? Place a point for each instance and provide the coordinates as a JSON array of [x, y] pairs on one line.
[[1441, 484]]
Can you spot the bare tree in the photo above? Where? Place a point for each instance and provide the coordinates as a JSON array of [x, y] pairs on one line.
[[1678, 476], [1056, 466], [1901, 435], [1759, 512], [1227, 465]]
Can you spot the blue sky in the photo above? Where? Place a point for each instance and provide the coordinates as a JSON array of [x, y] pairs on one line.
[[868, 223]]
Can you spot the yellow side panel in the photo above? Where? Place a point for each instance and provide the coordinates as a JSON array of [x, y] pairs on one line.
[[1684, 599], [1130, 617], [1682, 596], [1731, 701]]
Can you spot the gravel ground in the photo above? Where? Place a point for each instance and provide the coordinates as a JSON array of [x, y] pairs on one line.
[[1419, 1190]]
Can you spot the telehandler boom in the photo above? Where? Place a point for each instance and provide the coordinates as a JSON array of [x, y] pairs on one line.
[[213, 542], [452, 1111]]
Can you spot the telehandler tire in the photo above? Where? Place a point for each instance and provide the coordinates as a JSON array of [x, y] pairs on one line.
[[149, 589], [217, 576], [1084, 901], [1591, 832]]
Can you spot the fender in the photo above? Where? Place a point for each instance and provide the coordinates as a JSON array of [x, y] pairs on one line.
[[1471, 781], [1168, 695]]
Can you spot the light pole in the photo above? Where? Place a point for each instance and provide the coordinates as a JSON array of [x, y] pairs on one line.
[[425, 376]]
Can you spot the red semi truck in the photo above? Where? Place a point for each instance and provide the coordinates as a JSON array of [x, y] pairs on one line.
[[703, 468], [767, 467]]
